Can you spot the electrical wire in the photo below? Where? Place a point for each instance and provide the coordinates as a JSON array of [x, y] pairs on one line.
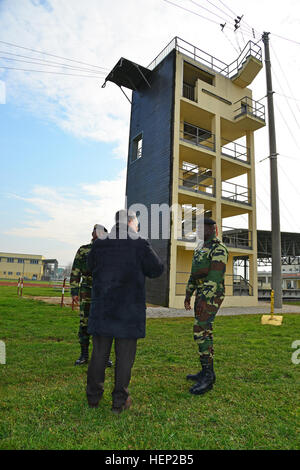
[[209, 11], [191, 11], [52, 55], [284, 75], [246, 24], [288, 97], [45, 62], [290, 181], [285, 39], [45, 71], [68, 67], [288, 127], [287, 101]]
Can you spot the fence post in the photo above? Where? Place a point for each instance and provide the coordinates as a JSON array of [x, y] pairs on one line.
[[21, 287]]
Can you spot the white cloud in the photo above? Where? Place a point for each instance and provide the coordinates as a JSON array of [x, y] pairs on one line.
[[67, 216]]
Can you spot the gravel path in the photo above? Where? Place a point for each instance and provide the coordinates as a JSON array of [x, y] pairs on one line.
[[263, 308], [163, 312]]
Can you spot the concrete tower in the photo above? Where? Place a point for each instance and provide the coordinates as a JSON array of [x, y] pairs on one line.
[[191, 135]]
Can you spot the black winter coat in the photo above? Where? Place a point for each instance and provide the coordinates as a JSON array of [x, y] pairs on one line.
[[119, 267]]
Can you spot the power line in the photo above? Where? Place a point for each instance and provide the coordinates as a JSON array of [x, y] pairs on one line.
[[286, 39], [284, 75], [44, 61], [218, 16], [230, 16], [288, 103], [229, 9], [191, 11], [288, 97], [45, 71], [288, 127], [197, 14], [68, 67], [52, 55], [206, 9], [224, 12], [290, 181]]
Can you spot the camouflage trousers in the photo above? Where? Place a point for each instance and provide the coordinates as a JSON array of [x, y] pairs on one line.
[[84, 310], [205, 312]]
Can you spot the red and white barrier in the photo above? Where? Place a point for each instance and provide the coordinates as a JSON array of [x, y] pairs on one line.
[[63, 293]]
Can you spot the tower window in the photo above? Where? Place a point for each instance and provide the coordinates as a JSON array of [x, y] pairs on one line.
[[137, 147]]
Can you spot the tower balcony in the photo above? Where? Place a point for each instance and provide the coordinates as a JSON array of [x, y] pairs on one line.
[[197, 180], [235, 151], [197, 136], [249, 114], [237, 238], [236, 193]]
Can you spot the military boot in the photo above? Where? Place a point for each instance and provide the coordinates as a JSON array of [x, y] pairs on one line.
[[194, 377], [197, 377], [84, 356], [206, 381]]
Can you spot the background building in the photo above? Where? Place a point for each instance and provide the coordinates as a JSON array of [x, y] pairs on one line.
[[15, 265]]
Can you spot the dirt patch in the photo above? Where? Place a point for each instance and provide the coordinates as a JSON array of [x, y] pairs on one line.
[[53, 300]]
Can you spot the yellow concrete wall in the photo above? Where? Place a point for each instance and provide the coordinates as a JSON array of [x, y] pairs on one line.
[[26, 269]]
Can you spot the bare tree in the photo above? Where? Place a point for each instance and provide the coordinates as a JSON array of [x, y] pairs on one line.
[[67, 270]]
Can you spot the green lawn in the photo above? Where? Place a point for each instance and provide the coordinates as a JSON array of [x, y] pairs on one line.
[[254, 403], [34, 291]]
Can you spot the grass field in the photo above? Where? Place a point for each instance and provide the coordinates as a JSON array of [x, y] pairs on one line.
[[254, 403]]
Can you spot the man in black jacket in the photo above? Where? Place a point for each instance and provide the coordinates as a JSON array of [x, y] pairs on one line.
[[119, 264]]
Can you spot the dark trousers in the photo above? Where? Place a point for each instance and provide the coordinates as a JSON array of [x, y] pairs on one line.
[[125, 350]]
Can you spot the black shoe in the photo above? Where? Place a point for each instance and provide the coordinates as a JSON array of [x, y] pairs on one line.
[[84, 356], [195, 377], [109, 363], [205, 383]]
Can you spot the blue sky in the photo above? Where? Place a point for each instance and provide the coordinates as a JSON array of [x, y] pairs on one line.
[[64, 139], [37, 153]]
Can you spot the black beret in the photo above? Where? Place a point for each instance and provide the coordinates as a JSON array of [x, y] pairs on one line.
[[208, 221]]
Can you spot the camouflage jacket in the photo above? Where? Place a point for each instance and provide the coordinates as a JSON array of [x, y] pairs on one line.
[[208, 270], [80, 270]]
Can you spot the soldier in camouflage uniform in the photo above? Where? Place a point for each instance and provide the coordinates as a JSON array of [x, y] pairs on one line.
[[81, 289], [207, 279]]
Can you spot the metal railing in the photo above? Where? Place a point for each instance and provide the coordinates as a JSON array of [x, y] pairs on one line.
[[237, 238], [235, 151], [237, 285], [236, 193], [247, 106], [197, 136], [188, 91], [196, 180], [251, 49]]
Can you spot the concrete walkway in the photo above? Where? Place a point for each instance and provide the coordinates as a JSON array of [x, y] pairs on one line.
[[263, 308]]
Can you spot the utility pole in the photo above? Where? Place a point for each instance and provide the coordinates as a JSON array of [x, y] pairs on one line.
[[275, 215]]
